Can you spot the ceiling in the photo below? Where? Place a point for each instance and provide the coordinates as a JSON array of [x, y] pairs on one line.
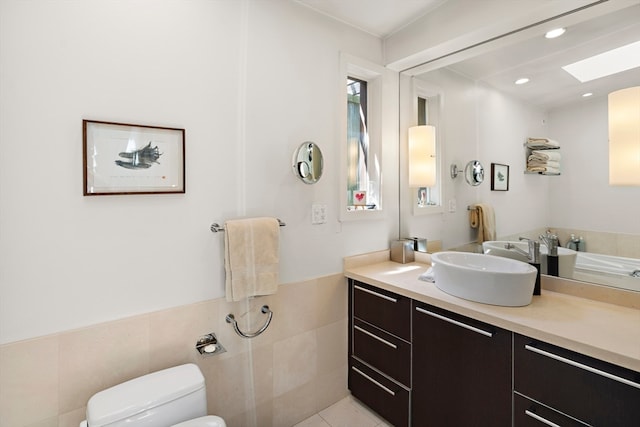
[[380, 18], [538, 58], [541, 60]]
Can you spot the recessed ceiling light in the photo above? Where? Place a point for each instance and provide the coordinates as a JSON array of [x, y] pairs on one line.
[[586, 95], [555, 33], [607, 63], [522, 81]]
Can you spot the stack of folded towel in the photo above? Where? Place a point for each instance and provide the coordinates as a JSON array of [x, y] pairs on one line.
[[541, 143], [544, 156], [545, 161]]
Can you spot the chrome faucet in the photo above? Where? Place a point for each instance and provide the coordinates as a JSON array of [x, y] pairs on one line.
[[533, 256], [551, 242]]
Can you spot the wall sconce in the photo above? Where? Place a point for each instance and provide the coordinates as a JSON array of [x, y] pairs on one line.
[[422, 159], [624, 137], [422, 156]]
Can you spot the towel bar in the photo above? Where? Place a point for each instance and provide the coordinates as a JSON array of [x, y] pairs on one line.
[[231, 319], [215, 227]]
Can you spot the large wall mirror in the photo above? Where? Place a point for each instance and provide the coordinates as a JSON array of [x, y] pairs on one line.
[[485, 116]]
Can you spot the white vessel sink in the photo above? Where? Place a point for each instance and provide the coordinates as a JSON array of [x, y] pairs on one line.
[[566, 257], [484, 278]]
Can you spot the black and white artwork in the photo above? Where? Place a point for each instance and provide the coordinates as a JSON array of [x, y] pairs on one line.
[[132, 159], [499, 177]]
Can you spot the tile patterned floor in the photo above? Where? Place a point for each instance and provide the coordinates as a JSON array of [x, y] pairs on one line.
[[346, 413]]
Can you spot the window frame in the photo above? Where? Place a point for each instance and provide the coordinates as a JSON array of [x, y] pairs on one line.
[[374, 75]]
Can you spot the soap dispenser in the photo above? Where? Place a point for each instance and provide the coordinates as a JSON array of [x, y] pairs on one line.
[[573, 242], [582, 245]]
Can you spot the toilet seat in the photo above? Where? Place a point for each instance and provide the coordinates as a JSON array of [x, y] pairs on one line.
[[208, 421]]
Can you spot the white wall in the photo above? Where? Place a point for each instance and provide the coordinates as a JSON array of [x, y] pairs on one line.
[[248, 80], [582, 197], [480, 123]]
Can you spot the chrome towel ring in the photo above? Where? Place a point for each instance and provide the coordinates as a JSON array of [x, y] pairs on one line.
[[265, 309]]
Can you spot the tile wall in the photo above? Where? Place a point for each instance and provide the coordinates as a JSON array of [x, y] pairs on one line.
[[293, 370]]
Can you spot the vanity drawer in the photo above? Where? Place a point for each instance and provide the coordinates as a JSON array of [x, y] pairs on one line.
[[593, 391], [383, 309], [386, 397], [383, 351], [527, 413]]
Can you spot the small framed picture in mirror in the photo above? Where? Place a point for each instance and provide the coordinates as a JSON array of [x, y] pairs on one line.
[[499, 177]]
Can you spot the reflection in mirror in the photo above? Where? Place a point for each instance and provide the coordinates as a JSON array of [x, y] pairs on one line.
[[422, 162], [624, 136], [491, 118], [474, 173], [308, 162], [425, 150]]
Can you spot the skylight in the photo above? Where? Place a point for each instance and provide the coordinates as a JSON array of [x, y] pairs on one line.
[[607, 63]]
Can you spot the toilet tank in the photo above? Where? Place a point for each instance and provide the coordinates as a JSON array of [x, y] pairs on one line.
[[159, 399]]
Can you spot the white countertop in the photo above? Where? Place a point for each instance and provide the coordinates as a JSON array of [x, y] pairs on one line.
[[605, 331]]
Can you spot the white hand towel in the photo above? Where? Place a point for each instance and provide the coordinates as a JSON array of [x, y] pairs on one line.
[[547, 163], [251, 255], [428, 276], [544, 169], [542, 143], [546, 155]]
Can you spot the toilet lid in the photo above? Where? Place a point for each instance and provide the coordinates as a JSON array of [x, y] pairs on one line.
[[208, 421]]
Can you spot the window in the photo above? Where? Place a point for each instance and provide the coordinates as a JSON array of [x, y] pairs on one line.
[[358, 182], [361, 137]]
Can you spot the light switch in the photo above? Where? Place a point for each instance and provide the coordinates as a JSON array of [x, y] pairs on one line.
[[318, 213]]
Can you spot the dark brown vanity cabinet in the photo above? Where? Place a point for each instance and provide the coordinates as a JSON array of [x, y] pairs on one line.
[[416, 364], [380, 350], [461, 370], [550, 381]]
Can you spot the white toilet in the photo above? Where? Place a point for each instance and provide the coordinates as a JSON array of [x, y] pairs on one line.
[[174, 397]]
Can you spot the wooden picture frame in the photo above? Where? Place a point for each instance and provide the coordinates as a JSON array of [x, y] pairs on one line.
[[121, 158], [499, 177]]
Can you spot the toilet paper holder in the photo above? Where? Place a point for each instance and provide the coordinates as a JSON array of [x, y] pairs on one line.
[[208, 345]]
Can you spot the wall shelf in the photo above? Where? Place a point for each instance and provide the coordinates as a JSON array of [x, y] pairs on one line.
[[528, 150]]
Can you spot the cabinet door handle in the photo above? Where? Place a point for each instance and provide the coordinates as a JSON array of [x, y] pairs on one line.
[[369, 291], [539, 418], [582, 366], [388, 390], [382, 340], [455, 322]]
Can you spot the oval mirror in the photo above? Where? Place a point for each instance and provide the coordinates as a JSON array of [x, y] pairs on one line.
[[307, 162], [474, 173]]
